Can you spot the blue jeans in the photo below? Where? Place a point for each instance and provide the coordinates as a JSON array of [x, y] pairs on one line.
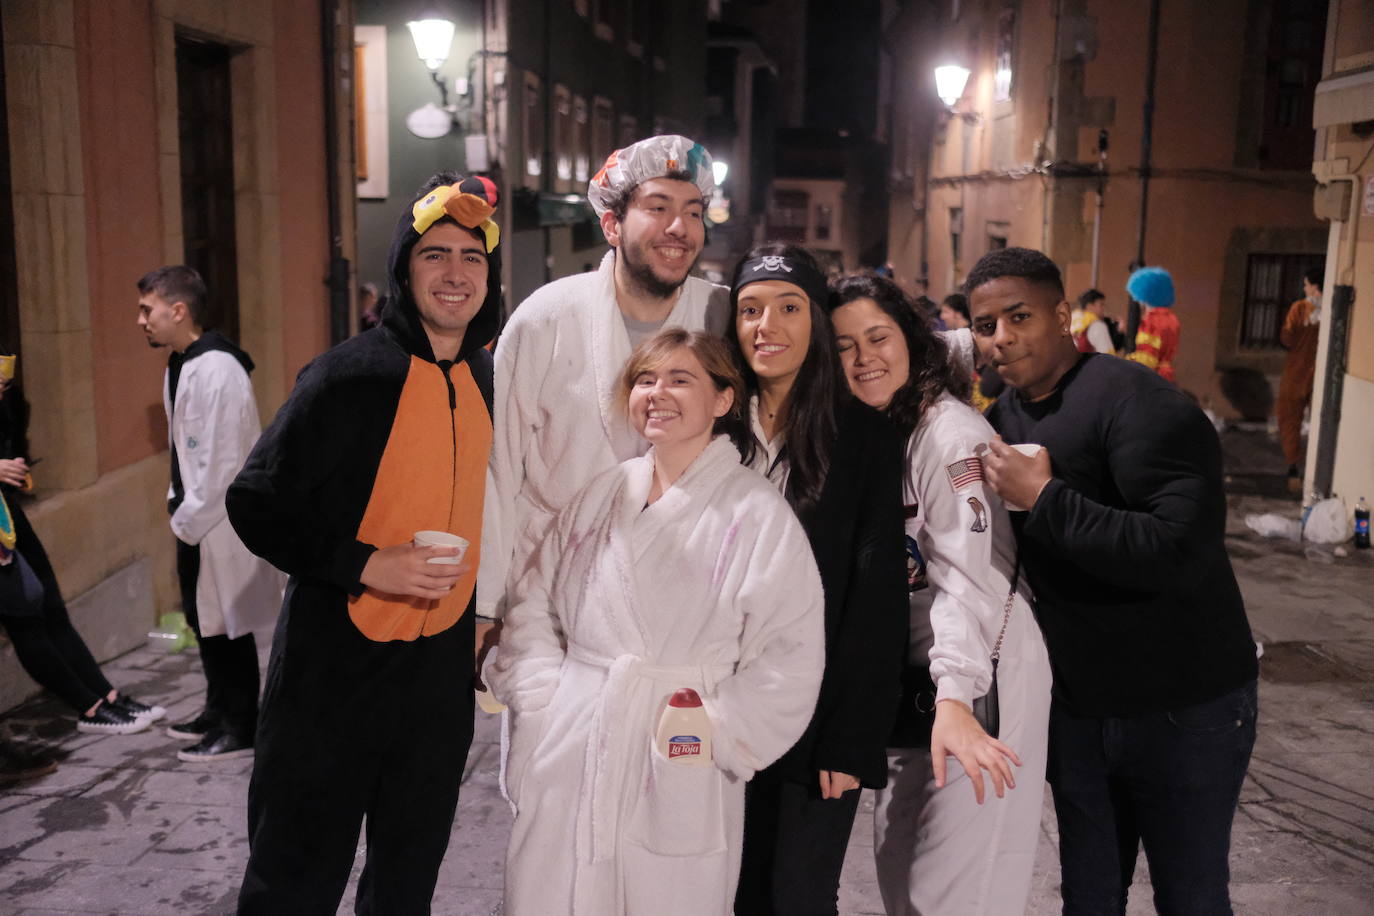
[[1169, 781]]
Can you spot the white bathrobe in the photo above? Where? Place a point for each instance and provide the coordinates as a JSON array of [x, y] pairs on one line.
[[712, 587], [214, 427], [556, 423]]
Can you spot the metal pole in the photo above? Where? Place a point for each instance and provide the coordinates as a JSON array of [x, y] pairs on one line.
[[1097, 216], [1147, 128], [1152, 62], [1097, 237]]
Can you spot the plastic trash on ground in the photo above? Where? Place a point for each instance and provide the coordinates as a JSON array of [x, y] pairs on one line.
[[172, 634], [1327, 523], [1274, 525]]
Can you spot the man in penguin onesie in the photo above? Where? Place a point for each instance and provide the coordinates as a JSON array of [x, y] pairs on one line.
[[367, 712]]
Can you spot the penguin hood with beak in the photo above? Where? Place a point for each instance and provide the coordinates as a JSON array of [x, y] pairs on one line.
[[465, 202]]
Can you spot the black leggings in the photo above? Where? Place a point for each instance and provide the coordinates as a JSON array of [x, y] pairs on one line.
[[48, 646], [794, 847]]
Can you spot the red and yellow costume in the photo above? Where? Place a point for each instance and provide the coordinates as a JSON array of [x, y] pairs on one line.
[[1156, 341]]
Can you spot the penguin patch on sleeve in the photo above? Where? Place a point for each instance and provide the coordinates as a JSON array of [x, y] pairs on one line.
[[980, 515]]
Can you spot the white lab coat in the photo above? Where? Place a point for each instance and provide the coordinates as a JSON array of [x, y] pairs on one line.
[[214, 427], [712, 587], [937, 850], [556, 420]]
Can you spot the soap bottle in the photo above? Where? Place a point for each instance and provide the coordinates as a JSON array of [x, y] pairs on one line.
[[684, 730]]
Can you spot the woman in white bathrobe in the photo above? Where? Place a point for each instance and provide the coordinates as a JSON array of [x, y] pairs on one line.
[[682, 568], [942, 843]]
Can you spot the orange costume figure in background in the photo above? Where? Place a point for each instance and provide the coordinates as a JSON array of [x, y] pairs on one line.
[[1156, 340], [1299, 335]]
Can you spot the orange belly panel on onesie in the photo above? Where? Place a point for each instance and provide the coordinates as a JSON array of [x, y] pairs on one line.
[[432, 477]]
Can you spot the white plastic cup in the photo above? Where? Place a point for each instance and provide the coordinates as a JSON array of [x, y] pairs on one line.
[[487, 702], [1030, 450], [442, 539]]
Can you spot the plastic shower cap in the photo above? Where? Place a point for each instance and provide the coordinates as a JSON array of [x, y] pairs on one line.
[[1152, 286], [648, 159]]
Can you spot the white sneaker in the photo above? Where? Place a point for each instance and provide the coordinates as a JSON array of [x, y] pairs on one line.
[[109, 719]]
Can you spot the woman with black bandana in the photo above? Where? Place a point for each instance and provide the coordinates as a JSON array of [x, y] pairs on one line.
[[838, 463]]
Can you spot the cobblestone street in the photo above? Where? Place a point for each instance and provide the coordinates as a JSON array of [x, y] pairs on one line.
[[123, 827]]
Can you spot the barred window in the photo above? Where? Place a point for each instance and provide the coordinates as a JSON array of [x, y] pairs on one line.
[[1273, 282]]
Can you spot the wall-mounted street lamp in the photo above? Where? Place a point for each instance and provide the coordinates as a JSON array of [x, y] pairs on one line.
[[950, 81], [433, 39], [718, 207]]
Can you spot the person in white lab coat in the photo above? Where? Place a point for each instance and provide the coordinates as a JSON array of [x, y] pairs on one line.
[[557, 361], [226, 591], [681, 568], [942, 843]]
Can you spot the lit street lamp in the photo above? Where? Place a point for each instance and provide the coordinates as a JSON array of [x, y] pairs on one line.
[[950, 81], [433, 38]]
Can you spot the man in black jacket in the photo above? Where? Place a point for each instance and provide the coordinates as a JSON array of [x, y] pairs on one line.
[[1154, 708], [367, 714]]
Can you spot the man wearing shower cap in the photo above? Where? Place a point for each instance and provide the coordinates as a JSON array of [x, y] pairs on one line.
[[1156, 341], [556, 421], [367, 714]]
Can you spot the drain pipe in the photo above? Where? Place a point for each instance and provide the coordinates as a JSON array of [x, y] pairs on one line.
[[1338, 310], [339, 267]]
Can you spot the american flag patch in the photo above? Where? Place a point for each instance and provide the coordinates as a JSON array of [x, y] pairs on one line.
[[964, 472]]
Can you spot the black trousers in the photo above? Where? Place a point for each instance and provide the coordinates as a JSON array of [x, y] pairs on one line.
[[355, 734], [48, 646], [230, 665], [1169, 781], [794, 846]]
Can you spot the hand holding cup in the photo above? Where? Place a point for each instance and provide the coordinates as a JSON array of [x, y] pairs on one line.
[[416, 571], [1017, 473], [443, 539]]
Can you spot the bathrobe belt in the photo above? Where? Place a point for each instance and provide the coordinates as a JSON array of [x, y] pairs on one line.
[[607, 753]]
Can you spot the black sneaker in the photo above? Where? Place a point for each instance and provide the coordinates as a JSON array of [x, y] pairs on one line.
[[192, 729], [217, 745], [17, 765], [109, 719], [139, 710]]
